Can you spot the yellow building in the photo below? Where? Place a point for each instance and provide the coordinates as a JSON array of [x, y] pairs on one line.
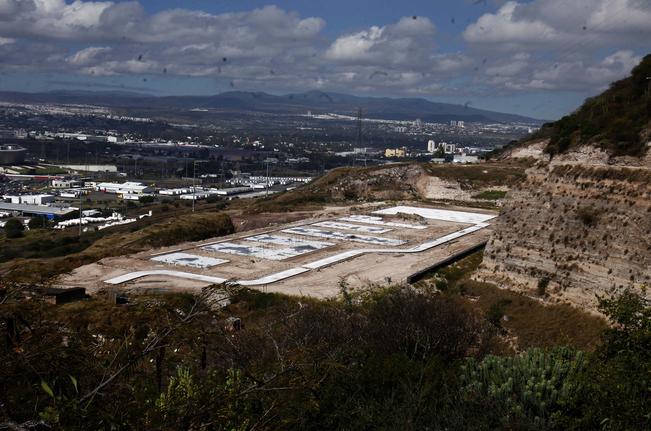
[[394, 152]]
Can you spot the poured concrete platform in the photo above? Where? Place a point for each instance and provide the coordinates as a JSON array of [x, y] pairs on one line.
[[268, 258]]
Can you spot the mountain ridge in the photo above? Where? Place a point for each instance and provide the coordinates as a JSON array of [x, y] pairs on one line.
[[407, 109], [617, 121]]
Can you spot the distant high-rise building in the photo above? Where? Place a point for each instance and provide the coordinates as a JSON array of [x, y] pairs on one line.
[[461, 124], [431, 146], [453, 123]]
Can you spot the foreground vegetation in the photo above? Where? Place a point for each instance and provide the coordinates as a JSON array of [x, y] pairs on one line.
[[396, 358], [524, 321]]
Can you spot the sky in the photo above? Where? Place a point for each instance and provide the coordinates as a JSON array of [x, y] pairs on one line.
[[539, 58]]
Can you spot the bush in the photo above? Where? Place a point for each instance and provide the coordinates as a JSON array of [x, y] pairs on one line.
[[588, 215], [615, 388], [542, 286], [613, 120], [528, 391], [37, 222], [211, 199], [496, 312], [490, 195], [14, 228]]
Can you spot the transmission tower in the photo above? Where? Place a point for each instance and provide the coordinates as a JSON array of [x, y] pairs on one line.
[[359, 128], [359, 132]]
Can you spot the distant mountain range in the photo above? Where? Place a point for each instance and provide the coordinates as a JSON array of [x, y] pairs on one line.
[[317, 102]]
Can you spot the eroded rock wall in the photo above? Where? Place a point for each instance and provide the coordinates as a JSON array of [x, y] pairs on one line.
[[573, 231]]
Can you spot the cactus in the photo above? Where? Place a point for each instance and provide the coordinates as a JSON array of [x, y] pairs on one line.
[[528, 388]]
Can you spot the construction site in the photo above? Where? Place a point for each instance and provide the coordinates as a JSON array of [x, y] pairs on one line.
[[312, 257]]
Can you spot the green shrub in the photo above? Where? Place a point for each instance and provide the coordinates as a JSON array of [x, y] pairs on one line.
[[588, 215], [542, 286], [527, 391], [612, 120], [496, 312], [14, 228], [615, 390], [490, 195], [211, 199], [37, 222]]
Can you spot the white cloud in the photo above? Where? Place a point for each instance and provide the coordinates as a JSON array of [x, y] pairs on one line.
[[409, 41], [506, 27], [521, 46], [560, 43], [89, 55], [575, 75], [576, 24]]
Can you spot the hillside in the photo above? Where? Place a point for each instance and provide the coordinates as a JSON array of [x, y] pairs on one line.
[[617, 121], [573, 232], [578, 227], [288, 104], [475, 185]]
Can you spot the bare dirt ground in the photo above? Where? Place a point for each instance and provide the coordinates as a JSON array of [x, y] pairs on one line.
[[325, 282]]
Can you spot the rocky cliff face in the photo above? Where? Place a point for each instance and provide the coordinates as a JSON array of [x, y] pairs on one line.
[[574, 229]]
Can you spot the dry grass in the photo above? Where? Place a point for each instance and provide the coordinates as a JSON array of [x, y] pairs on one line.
[[536, 324], [195, 227], [338, 185], [481, 175], [532, 322]]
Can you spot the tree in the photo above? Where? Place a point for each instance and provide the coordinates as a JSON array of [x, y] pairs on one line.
[[37, 223], [14, 228], [616, 388]]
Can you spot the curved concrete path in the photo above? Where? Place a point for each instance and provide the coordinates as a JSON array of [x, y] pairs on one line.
[[282, 275]]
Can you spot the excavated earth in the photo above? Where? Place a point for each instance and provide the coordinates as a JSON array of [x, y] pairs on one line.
[[578, 227]]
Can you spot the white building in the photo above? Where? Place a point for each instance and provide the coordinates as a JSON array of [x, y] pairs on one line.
[[41, 199], [174, 192], [71, 193], [462, 158], [125, 188], [62, 183], [366, 150], [431, 146], [195, 196]]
